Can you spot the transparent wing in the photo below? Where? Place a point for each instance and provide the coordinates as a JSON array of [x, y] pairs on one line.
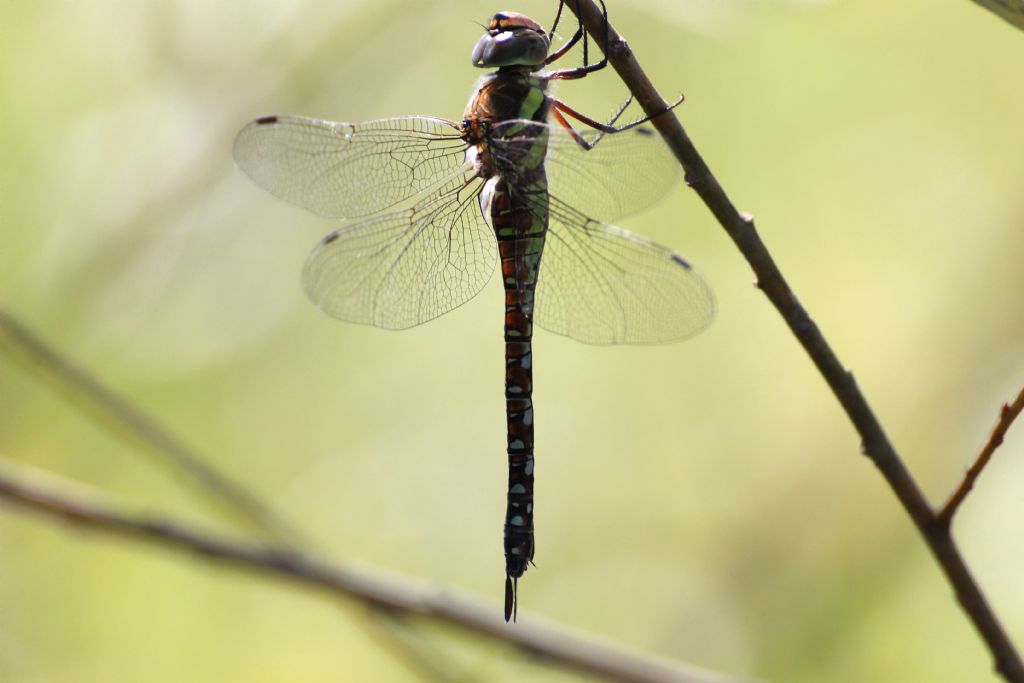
[[600, 284], [622, 174], [346, 170], [406, 267]]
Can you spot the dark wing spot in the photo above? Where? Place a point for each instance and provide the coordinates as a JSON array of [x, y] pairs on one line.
[[644, 131], [681, 261], [265, 120], [330, 238]]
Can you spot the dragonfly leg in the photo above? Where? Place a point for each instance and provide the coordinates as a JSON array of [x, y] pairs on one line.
[[609, 127], [575, 134], [581, 33], [556, 113], [558, 107], [560, 52]]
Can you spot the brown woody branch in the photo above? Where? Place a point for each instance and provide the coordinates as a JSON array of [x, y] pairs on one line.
[[1007, 414], [874, 442], [389, 597]]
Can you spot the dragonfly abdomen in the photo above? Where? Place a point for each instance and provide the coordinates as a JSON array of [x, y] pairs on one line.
[[518, 536], [519, 220]]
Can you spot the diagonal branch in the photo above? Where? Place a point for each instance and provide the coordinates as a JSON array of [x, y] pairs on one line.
[[874, 442], [1007, 415], [390, 597]]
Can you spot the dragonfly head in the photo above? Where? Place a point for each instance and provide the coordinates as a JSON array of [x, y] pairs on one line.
[[512, 39]]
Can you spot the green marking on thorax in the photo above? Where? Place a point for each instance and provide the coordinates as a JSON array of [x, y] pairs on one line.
[[533, 100]]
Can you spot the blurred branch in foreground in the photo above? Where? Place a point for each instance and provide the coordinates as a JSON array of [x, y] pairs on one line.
[[1007, 414], [88, 394], [47, 494], [85, 392], [874, 442], [1010, 10], [390, 601]]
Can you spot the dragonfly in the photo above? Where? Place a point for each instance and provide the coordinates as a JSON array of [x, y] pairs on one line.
[[429, 205]]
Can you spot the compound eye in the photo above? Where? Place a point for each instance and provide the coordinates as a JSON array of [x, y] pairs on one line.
[[512, 39]]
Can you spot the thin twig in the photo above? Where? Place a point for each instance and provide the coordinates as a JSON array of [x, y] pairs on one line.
[[874, 442], [87, 393], [388, 596], [1010, 10], [1007, 414]]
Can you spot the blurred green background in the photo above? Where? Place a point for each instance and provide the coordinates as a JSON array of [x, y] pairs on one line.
[[703, 501]]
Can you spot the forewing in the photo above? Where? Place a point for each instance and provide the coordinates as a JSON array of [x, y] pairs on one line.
[[347, 170], [405, 267], [600, 284]]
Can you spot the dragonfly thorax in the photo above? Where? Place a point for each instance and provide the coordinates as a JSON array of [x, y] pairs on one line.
[[512, 39]]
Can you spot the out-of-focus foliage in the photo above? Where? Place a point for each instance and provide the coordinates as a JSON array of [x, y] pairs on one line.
[[703, 501]]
